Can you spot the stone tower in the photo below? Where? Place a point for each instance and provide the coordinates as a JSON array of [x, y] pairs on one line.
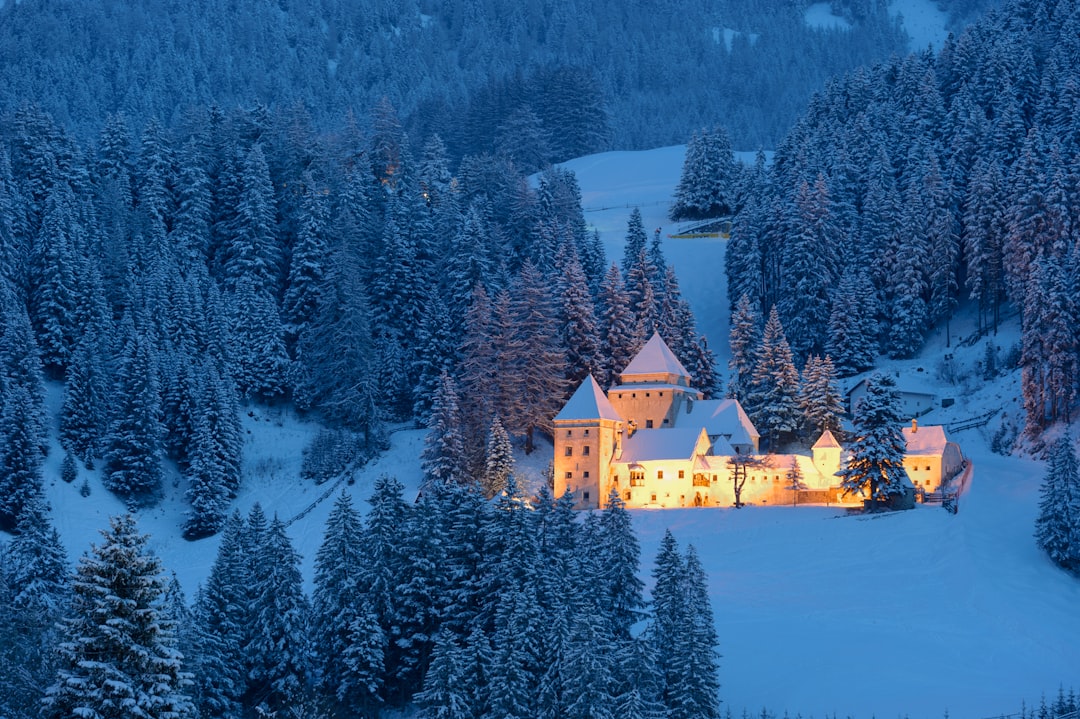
[[653, 388], [827, 455], [587, 437]]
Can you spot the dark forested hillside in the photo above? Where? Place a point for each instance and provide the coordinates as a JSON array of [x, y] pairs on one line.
[[915, 184], [563, 76]]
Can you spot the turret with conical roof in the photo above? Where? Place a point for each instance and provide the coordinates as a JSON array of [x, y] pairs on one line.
[[827, 454], [653, 388], [588, 434]]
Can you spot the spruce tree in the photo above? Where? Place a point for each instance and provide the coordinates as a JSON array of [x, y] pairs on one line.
[[347, 642], [617, 341], [819, 398], [21, 481], [444, 459], [119, 653], [1057, 528], [133, 446], [277, 650], [499, 462], [773, 401], [876, 466], [745, 339]]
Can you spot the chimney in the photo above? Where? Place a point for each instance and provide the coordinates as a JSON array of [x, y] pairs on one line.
[[914, 425]]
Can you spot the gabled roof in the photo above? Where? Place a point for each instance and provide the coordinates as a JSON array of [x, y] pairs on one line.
[[646, 445], [720, 417], [926, 440], [826, 441], [588, 402], [655, 358]]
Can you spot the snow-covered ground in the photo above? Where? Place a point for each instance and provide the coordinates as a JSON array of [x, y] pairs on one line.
[[923, 21], [818, 613]]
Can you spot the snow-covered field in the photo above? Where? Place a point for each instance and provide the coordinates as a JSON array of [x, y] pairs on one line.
[[907, 614]]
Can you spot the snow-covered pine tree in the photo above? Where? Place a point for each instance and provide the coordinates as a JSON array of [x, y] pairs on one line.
[[221, 621], [382, 573], [774, 389], [694, 693], [617, 339], [254, 252], [745, 340], [579, 336], [307, 262], [278, 650], [54, 277], [21, 481], [819, 398], [810, 269], [437, 353], [257, 341], [499, 462], [34, 590], [853, 328], [1057, 528], [447, 693], [536, 365], [444, 459], [636, 242], [621, 591], [669, 615], [119, 652], [876, 466], [347, 642], [133, 445]]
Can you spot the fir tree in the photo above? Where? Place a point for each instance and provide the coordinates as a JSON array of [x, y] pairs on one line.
[[773, 401], [744, 341], [694, 693], [133, 446], [21, 481], [819, 398], [876, 467], [346, 639], [499, 462], [617, 340], [1057, 528], [444, 458], [221, 622], [119, 652], [277, 651]]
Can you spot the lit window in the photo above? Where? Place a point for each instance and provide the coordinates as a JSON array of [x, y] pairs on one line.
[[654, 498], [928, 468], [681, 474], [628, 495], [569, 475], [585, 450], [569, 451], [659, 474]]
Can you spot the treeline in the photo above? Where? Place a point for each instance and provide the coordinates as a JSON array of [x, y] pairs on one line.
[[468, 608], [171, 278], [553, 79], [911, 185]]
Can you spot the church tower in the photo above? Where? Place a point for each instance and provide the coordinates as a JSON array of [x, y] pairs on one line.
[[587, 437]]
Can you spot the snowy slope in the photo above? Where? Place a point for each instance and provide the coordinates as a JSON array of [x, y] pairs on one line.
[[818, 613]]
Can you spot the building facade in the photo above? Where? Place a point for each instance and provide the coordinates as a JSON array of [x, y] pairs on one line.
[[656, 442]]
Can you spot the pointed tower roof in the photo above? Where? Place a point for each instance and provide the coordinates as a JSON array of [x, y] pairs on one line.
[[655, 358], [588, 402], [826, 441]]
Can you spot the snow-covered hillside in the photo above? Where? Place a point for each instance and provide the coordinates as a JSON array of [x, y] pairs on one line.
[[818, 613]]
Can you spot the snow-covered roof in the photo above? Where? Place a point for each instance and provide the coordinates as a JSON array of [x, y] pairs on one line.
[[647, 445], [588, 402], [720, 417], [722, 447], [826, 441], [655, 358], [926, 439]]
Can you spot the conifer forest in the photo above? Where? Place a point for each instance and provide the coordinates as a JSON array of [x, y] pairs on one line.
[[350, 210]]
